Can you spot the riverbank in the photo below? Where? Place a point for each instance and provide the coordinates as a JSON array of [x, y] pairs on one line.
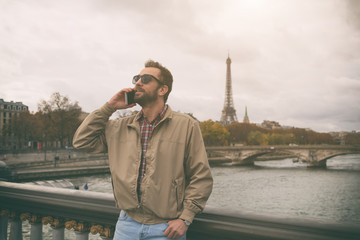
[[73, 158], [58, 173], [50, 159], [54, 165]]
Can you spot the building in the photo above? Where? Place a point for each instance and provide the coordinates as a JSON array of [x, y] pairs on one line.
[[270, 124], [7, 111], [246, 117]]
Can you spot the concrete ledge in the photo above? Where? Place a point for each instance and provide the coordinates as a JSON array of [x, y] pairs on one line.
[[35, 174]]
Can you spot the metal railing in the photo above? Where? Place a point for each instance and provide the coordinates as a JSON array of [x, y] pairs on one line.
[[92, 212]]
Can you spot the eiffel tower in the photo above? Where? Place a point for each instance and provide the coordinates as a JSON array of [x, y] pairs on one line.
[[228, 113]]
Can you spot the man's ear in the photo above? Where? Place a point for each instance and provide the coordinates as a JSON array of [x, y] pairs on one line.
[[163, 90]]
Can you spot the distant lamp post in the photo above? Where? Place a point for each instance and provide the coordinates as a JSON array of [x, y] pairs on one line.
[[43, 145]]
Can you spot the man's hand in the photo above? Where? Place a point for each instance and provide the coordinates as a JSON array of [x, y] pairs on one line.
[[118, 100], [176, 229]]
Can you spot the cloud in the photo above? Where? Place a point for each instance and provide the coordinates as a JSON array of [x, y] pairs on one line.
[[296, 62], [353, 16]]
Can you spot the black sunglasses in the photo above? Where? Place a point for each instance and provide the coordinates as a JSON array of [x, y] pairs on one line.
[[145, 79]]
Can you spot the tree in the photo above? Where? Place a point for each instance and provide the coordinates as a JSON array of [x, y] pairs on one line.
[[22, 129], [25, 129], [214, 133], [280, 138], [258, 138], [352, 138], [239, 132], [59, 118]]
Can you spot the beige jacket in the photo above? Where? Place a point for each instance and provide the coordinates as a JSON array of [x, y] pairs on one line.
[[178, 180]]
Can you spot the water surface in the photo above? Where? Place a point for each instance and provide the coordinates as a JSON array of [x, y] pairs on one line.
[[278, 188]]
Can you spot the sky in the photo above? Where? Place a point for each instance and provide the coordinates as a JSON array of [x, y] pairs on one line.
[[296, 62]]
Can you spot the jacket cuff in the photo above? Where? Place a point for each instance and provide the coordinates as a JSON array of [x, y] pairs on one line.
[[107, 109], [187, 215]]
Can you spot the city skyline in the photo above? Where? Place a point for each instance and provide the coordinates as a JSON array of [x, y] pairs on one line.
[[294, 62]]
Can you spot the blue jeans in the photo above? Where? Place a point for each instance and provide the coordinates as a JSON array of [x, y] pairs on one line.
[[128, 229]]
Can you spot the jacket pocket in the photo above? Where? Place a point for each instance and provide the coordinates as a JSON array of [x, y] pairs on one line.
[[179, 192]]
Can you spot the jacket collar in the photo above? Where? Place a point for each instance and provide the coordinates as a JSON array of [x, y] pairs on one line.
[[158, 118], [135, 124]]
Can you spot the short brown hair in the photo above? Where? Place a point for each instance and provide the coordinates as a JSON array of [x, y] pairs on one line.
[[165, 76]]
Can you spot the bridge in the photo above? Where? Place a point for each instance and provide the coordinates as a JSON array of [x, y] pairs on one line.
[[314, 156], [27, 167], [91, 212]]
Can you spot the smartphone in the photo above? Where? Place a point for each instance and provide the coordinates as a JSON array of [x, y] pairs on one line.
[[129, 97]]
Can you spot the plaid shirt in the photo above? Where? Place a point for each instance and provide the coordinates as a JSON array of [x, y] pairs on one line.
[[146, 129]]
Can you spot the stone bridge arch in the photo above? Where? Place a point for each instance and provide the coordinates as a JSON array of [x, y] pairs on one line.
[[314, 156]]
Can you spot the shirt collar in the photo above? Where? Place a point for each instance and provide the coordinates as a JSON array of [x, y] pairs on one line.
[[159, 117]]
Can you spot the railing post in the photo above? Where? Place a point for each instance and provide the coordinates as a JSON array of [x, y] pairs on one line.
[[57, 225], [82, 235], [3, 227], [15, 228], [58, 233], [36, 225], [105, 231], [36, 231], [81, 229]]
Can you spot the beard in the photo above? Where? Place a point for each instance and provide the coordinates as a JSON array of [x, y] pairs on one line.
[[146, 97]]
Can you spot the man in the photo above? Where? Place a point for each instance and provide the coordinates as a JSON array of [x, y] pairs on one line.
[[159, 169]]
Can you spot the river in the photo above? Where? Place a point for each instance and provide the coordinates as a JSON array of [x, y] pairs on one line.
[[278, 187]]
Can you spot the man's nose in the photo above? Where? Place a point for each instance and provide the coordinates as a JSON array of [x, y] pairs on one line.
[[139, 82]]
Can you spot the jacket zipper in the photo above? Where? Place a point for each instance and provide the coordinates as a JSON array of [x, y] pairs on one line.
[[139, 142], [176, 194]]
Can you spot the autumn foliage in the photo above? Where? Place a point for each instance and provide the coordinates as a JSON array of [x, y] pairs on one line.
[[53, 125], [58, 118], [215, 133]]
